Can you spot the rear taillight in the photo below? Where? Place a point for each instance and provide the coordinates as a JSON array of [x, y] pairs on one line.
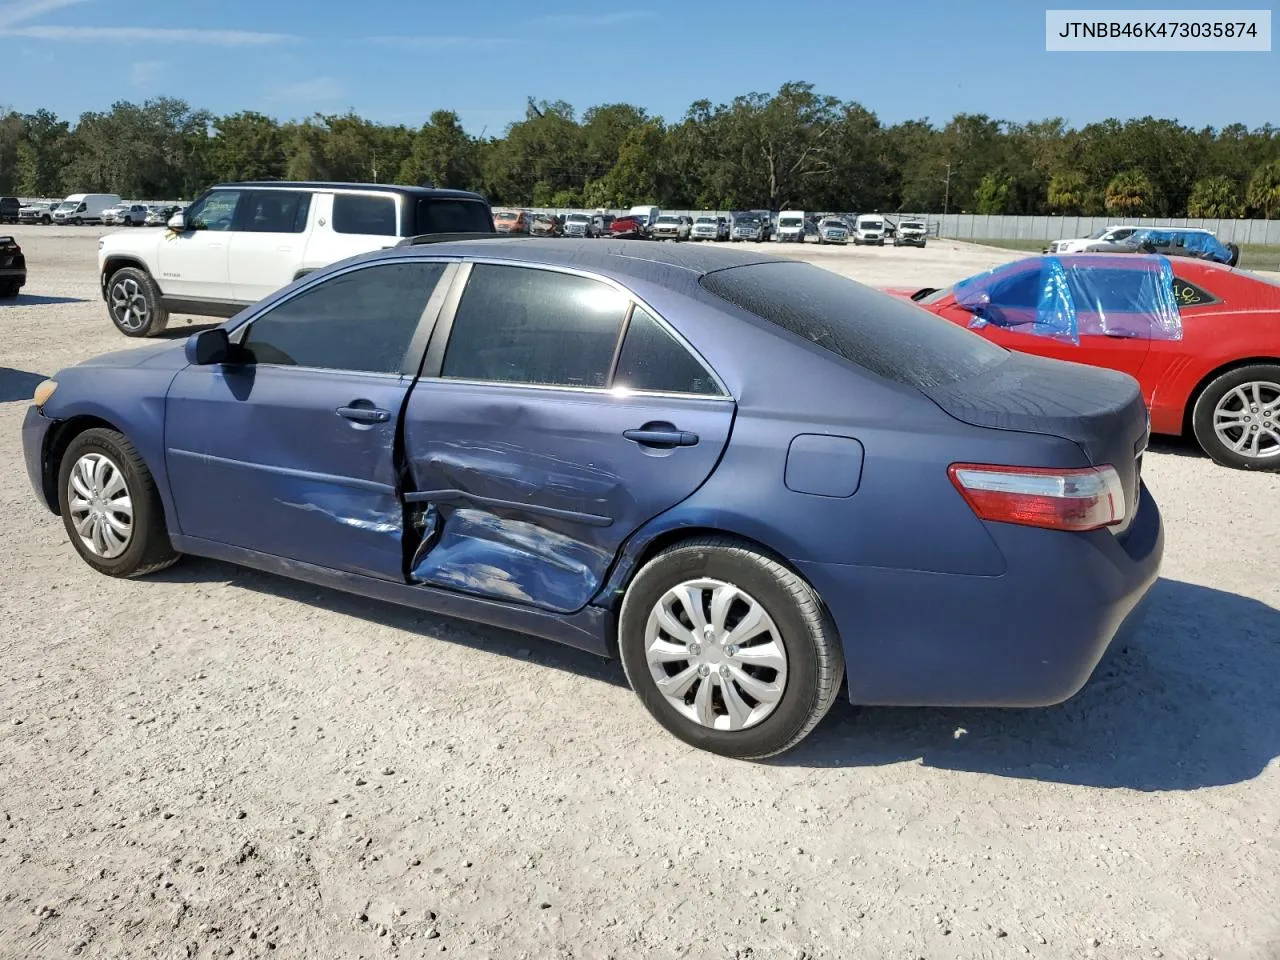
[[1087, 498]]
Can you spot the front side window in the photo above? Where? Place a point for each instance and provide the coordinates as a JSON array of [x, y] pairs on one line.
[[532, 326], [364, 214], [364, 320], [275, 211], [217, 211]]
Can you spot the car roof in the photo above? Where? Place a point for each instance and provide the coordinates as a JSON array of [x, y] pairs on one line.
[[631, 259], [339, 185]]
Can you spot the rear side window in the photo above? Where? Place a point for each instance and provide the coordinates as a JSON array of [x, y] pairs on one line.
[[362, 321], [889, 337], [451, 215], [653, 360], [525, 325], [275, 211], [371, 216]]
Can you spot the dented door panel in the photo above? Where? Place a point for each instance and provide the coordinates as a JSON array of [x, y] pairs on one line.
[[259, 458], [535, 489]]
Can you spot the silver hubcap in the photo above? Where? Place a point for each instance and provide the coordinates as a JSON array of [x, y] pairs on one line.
[[101, 509], [128, 305], [716, 655], [1247, 420]]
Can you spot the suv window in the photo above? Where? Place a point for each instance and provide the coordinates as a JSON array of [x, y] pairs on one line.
[[526, 325], [275, 211], [359, 213], [452, 215], [363, 320], [653, 360], [889, 337], [215, 212]]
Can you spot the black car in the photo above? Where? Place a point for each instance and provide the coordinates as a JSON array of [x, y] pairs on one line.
[[9, 207], [13, 268]]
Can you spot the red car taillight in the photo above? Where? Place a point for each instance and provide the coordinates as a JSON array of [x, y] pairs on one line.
[[1087, 498]]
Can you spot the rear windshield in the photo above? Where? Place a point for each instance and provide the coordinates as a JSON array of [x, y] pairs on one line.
[[887, 336], [452, 215]]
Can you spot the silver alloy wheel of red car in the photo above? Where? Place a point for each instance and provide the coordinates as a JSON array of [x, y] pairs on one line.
[[715, 654], [1247, 420]]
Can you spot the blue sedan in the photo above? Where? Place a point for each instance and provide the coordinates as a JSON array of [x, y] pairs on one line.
[[748, 478]]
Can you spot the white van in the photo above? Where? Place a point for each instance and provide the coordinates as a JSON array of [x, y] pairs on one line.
[[870, 230], [84, 208], [649, 215], [791, 226]]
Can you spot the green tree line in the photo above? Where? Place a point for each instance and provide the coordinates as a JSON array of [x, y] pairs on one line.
[[792, 148]]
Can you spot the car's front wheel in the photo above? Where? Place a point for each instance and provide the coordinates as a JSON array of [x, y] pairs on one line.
[[730, 650], [110, 506], [1236, 420], [134, 303]]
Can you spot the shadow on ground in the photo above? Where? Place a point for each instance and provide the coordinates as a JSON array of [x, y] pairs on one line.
[[1177, 447], [1193, 701], [31, 300], [17, 384]]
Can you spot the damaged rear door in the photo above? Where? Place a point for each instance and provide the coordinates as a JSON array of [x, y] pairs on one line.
[[290, 450], [554, 417]]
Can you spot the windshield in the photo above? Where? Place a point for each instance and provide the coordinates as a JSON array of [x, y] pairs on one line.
[[68, 205], [833, 223], [668, 220], [505, 215], [870, 224], [706, 220], [576, 218], [912, 225], [789, 221]]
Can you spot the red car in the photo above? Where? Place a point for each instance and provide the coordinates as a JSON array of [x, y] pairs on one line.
[[1202, 339], [629, 227]]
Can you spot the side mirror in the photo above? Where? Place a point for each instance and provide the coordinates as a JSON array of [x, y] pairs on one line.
[[208, 347], [178, 222]]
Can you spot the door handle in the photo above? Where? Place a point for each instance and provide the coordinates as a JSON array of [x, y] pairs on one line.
[[363, 414], [663, 436]]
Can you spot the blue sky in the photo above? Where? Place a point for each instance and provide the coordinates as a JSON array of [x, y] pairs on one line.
[[397, 60]]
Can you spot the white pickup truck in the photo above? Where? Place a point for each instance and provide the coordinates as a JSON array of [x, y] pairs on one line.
[[240, 242]]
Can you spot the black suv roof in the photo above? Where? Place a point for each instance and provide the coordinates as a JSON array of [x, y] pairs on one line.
[[335, 185]]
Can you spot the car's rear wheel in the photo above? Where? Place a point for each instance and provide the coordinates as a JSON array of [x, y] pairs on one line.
[[1236, 419], [729, 650], [1234, 252], [134, 303], [9, 289], [110, 506]]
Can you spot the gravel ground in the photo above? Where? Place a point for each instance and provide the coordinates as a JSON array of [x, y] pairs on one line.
[[216, 762]]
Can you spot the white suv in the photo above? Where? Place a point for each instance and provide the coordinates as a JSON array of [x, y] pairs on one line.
[[240, 242]]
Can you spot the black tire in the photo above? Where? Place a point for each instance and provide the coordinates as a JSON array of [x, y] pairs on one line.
[[815, 662], [1235, 254], [1268, 416], [9, 290], [134, 282], [148, 548], [77, 222]]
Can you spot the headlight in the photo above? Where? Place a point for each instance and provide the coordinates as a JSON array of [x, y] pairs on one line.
[[43, 392]]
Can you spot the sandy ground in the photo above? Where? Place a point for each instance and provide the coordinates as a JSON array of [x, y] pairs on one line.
[[215, 762]]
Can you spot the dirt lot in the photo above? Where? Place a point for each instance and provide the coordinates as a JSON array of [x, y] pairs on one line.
[[215, 762]]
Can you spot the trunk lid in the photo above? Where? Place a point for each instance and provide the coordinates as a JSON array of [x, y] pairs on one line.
[[1101, 411]]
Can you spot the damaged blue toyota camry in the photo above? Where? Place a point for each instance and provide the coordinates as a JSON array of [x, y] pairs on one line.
[[748, 478]]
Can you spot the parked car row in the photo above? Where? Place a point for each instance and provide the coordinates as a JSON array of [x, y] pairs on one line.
[[1194, 242]]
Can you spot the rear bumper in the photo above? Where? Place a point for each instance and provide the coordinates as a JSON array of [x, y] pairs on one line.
[[35, 428], [1030, 637]]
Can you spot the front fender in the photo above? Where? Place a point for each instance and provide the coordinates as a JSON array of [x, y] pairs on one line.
[[129, 402]]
